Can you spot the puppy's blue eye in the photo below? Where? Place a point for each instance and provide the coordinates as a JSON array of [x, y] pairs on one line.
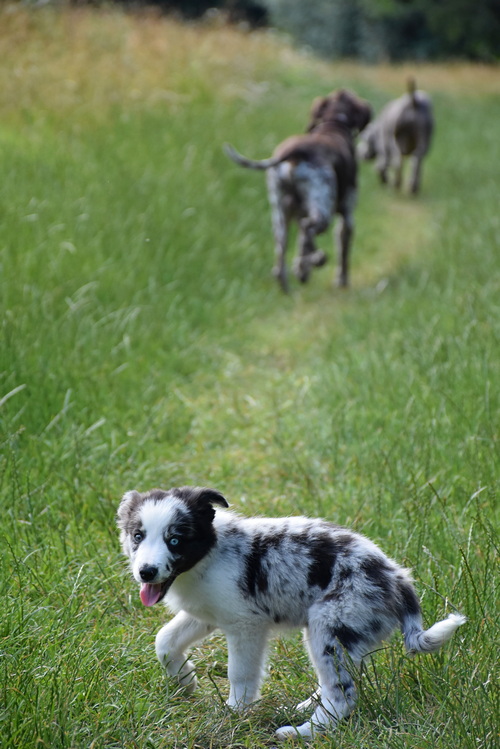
[[138, 536], [173, 541]]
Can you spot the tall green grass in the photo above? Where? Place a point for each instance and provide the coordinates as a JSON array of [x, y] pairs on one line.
[[145, 343]]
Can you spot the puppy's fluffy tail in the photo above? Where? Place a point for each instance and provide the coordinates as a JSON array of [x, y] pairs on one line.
[[418, 640]]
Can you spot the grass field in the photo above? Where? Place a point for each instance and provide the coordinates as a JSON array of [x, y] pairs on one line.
[[144, 343]]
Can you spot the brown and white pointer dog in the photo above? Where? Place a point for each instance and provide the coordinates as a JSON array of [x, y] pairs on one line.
[[310, 178]]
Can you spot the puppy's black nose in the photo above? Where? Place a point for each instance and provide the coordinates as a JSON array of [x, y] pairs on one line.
[[148, 573]]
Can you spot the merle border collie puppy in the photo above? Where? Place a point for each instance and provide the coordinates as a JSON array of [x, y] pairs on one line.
[[250, 577]]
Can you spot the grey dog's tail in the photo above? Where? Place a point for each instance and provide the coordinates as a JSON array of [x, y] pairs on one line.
[[418, 640], [411, 86], [250, 163]]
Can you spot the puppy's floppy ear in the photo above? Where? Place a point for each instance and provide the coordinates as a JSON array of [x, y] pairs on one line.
[[201, 495], [129, 501]]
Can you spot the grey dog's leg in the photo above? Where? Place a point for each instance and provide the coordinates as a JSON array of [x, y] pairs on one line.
[[415, 172]]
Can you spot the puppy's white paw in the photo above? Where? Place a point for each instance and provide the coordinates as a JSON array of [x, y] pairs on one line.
[[190, 686], [186, 678], [286, 732], [237, 707], [305, 731]]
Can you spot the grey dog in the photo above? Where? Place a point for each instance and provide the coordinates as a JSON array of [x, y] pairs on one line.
[[403, 129]]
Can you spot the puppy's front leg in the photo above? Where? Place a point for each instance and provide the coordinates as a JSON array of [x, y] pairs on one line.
[[171, 642], [246, 662]]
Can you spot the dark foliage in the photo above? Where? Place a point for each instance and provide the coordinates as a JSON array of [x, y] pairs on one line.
[[393, 29], [252, 12]]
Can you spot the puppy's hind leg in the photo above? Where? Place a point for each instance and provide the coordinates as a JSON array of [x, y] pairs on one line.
[[310, 702], [171, 642], [336, 696]]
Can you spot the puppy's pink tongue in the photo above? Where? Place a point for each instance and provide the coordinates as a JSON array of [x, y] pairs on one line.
[[150, 593]]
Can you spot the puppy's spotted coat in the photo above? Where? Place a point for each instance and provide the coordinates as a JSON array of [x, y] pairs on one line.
[[250, 577]]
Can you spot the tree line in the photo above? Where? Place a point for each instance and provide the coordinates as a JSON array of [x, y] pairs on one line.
[[370, 30]]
